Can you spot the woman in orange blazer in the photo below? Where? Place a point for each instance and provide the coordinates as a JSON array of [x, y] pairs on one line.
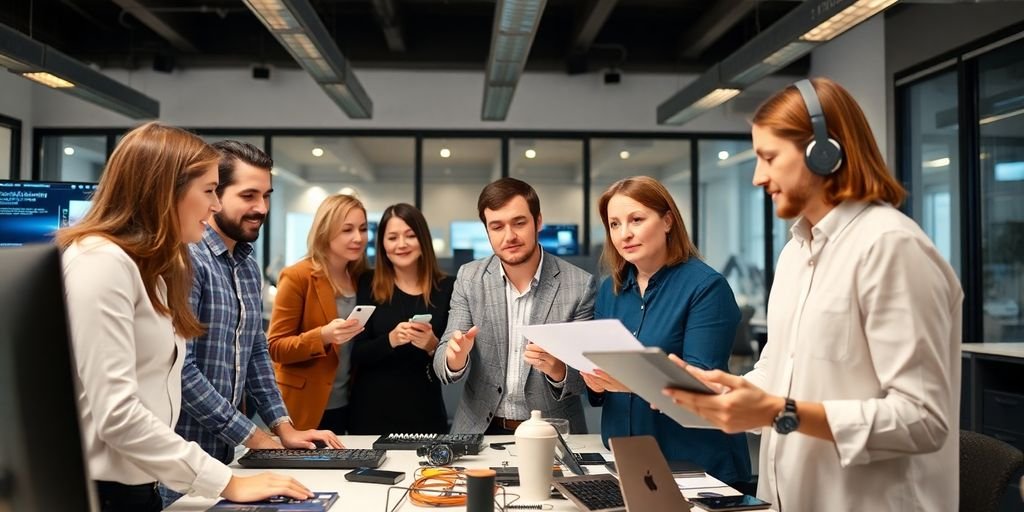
[[308, 335]]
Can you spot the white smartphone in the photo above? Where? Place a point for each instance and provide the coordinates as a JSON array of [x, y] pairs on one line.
[[362, 314], [423, 318]]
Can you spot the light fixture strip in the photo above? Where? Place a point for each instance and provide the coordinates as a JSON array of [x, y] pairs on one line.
[[846, 19], [48, 80]]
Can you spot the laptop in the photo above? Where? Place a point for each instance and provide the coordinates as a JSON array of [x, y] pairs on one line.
[[645, 485]]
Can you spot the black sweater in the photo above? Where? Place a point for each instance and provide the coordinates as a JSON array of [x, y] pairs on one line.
[[395, 389]]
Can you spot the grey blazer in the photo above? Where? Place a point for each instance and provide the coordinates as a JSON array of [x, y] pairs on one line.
[[565, 293]]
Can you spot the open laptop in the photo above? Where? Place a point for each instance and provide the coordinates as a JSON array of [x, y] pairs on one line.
[[645, 485]]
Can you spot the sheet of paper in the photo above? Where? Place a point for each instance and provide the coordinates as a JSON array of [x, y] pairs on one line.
[[699, 482], [568, 341]]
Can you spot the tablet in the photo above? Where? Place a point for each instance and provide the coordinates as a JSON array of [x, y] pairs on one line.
[[647, 372]]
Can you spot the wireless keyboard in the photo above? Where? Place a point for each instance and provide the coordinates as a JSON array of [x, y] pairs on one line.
[[324, 458], [469, 444]]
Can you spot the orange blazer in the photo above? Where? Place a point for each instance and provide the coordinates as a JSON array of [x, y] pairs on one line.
[[304, 367]]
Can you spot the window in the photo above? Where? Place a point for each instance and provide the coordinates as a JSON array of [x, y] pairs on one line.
[[1001, 123], [73, 157], [454, 173], [732, 228], [555, 170]]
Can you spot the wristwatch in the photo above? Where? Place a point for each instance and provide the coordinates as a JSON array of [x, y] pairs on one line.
[[787, 420]]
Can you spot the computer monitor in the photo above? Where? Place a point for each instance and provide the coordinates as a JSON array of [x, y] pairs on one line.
[[41, 458], [30, 211], [560, 239], [471, 234], [371, 239]]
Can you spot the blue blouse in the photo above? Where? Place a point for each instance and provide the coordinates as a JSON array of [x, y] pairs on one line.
[[690, 311]]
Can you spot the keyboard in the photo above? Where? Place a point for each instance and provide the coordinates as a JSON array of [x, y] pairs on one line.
[[326, 458], [469, 444], [592, 493]]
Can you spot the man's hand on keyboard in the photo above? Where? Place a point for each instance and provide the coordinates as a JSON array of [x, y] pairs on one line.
[[292, 438], [260, 440]]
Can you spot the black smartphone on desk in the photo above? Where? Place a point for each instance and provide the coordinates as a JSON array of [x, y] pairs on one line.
[[375, 476], [731, 503]]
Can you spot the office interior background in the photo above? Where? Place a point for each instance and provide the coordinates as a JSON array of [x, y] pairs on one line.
[[940, 83]]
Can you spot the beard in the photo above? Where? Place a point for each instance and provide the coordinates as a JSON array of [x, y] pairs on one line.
[[516, 260], [235, 231]]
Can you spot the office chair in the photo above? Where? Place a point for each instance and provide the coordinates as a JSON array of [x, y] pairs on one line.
[[986, 466]]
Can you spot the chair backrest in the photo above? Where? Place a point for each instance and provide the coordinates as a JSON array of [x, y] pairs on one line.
[[741, 343], [986, 466]]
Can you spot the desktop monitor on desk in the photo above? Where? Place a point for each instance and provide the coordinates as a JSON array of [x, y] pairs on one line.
[[472, 235], [30, 211], [560, 239], [41, 460]]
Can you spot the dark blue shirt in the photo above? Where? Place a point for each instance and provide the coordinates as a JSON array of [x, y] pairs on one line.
[[690, 311]]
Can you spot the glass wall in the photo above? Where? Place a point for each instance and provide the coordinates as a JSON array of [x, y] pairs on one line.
[[732, 232], [378, 170], [6, 150], [1001, 144], [668, 160], [73, 157], [932, 136], [555, 170], [454, 173]]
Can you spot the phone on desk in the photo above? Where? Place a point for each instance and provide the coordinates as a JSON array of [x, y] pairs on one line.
[[375, 476], [362, 314], [423, 318], [731, 503]]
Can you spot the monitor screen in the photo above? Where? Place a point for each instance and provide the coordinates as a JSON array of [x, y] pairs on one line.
[[30, 211], [560, 239], [371, 239], [471, 234]]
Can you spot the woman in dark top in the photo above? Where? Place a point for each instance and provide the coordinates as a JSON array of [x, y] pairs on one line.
[[394, 388]]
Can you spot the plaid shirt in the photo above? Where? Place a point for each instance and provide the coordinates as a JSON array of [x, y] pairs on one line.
[[231, 359]]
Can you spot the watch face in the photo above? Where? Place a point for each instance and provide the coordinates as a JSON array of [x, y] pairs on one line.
[[786, 423]]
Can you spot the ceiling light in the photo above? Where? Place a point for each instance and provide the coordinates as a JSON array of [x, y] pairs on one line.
[[68, 150], [445, 152], [530, 153], [298, 27], [347, 191], [318, 152], [31, 59], [791, 37], [938, 162], [624, 155], [722, 155], [515, 25]]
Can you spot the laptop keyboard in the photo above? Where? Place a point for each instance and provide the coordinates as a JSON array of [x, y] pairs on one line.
[[326, 458], [596, 494]]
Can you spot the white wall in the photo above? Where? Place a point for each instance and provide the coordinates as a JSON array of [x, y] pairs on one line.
[[402, 99], [15, 101], [856, 60]]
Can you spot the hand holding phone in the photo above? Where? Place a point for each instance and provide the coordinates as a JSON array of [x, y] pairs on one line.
[[423, 318], [361, 314]]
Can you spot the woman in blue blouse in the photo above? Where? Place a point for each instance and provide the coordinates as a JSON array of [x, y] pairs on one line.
[[670, 299]]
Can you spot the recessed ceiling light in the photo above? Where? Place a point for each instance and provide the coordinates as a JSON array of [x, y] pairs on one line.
[[530, 153], [722, 155], [318, 152], [445, 152], [68, 150], [624, 155]]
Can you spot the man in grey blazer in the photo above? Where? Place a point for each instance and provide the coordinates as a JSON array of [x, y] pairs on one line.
[[494, 297]]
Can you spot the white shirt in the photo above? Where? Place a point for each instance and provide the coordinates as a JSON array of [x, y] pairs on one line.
[[865, 317], [129, 361], [518, 307]]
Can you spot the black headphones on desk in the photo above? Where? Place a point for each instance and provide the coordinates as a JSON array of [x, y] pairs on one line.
[[824, 155]]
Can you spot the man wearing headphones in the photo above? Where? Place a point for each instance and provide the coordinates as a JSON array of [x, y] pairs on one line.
[[857, 392]]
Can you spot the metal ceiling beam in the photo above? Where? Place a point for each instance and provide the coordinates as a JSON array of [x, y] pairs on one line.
[[151, 20], [591, 25], [712, 25], [386, 12]]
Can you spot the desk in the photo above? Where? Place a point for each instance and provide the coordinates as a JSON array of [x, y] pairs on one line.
[[371, 497]]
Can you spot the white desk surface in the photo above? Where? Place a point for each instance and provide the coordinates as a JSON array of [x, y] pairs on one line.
[[371, 497], [996, 349]]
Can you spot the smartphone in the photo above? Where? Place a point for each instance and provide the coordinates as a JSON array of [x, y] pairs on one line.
[[361, 313], [421, 318], [590, 459], [729, 503], [375, 476]]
